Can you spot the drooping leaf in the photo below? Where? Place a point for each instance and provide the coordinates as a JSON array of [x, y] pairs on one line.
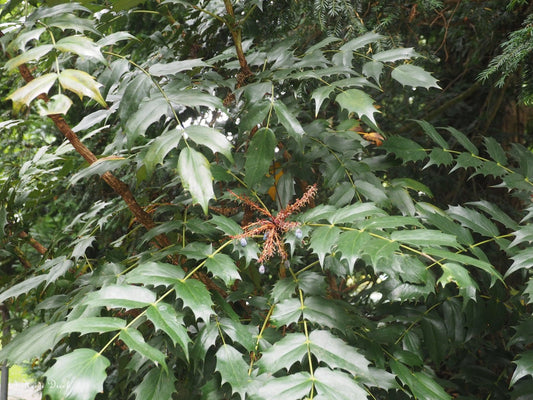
[[238, 332], [233, 369], [287, 119], [433, 134], [155, 273], [150, 110], [321, 94], [452, 272], [93, 325], [463, 140], [495, 150], [29, 55], [196, 176], [474, 220], [223, 267], [176, 67], [32, 342], [78, 375], [19, 43], [82, 84], [195, 295], [421, 385], [28, 92], [357, 101], [71, 21], [226, 225], [160, 147], [80, 45], [259, 156], [157, 384], [58, 104], [212, 138], [337, 385], [373, 69], [121, 296], [352, 245], [522, 260], [135, 342], [463, 259], [165, 318], [194, 98], [412, 75], [23, 287]]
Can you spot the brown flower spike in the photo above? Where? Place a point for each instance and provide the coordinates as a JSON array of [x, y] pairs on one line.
[[272, 227]]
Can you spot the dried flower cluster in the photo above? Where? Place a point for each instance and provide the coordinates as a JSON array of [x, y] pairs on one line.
[[273, 227]]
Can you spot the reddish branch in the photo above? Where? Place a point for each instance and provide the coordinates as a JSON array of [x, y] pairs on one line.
[[116, 184]]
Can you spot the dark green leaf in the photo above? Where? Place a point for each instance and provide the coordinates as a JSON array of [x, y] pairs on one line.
[[352, 245], [78, 375], [337, 354], [357, 101], [212, 138], [92, 325], [412, 75], [495, 150], [292, 387], [196, 176], [222, 266], [135, 341], [323, 239], [259, 156], [337, 385], [195, 295], [233, 369], [287, 119], [155, 273], [121, 296], [165, 318], [463, 140], [157, 384], [522, 260], [432, 133], [150, 110], [404, 148], [287, 312], [355, 212], [403, 53], [284, 353], [474, 220], [160, 147], [32, 342], [324, 313]]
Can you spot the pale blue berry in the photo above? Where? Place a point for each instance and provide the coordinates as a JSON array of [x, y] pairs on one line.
[[261, 269], [265, 236], [243, 242], [298, 233]]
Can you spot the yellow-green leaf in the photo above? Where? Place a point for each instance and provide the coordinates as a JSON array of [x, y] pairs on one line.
[[25, 94], [82, 84]]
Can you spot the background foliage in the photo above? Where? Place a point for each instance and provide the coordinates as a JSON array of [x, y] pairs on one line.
[[216, 199]]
